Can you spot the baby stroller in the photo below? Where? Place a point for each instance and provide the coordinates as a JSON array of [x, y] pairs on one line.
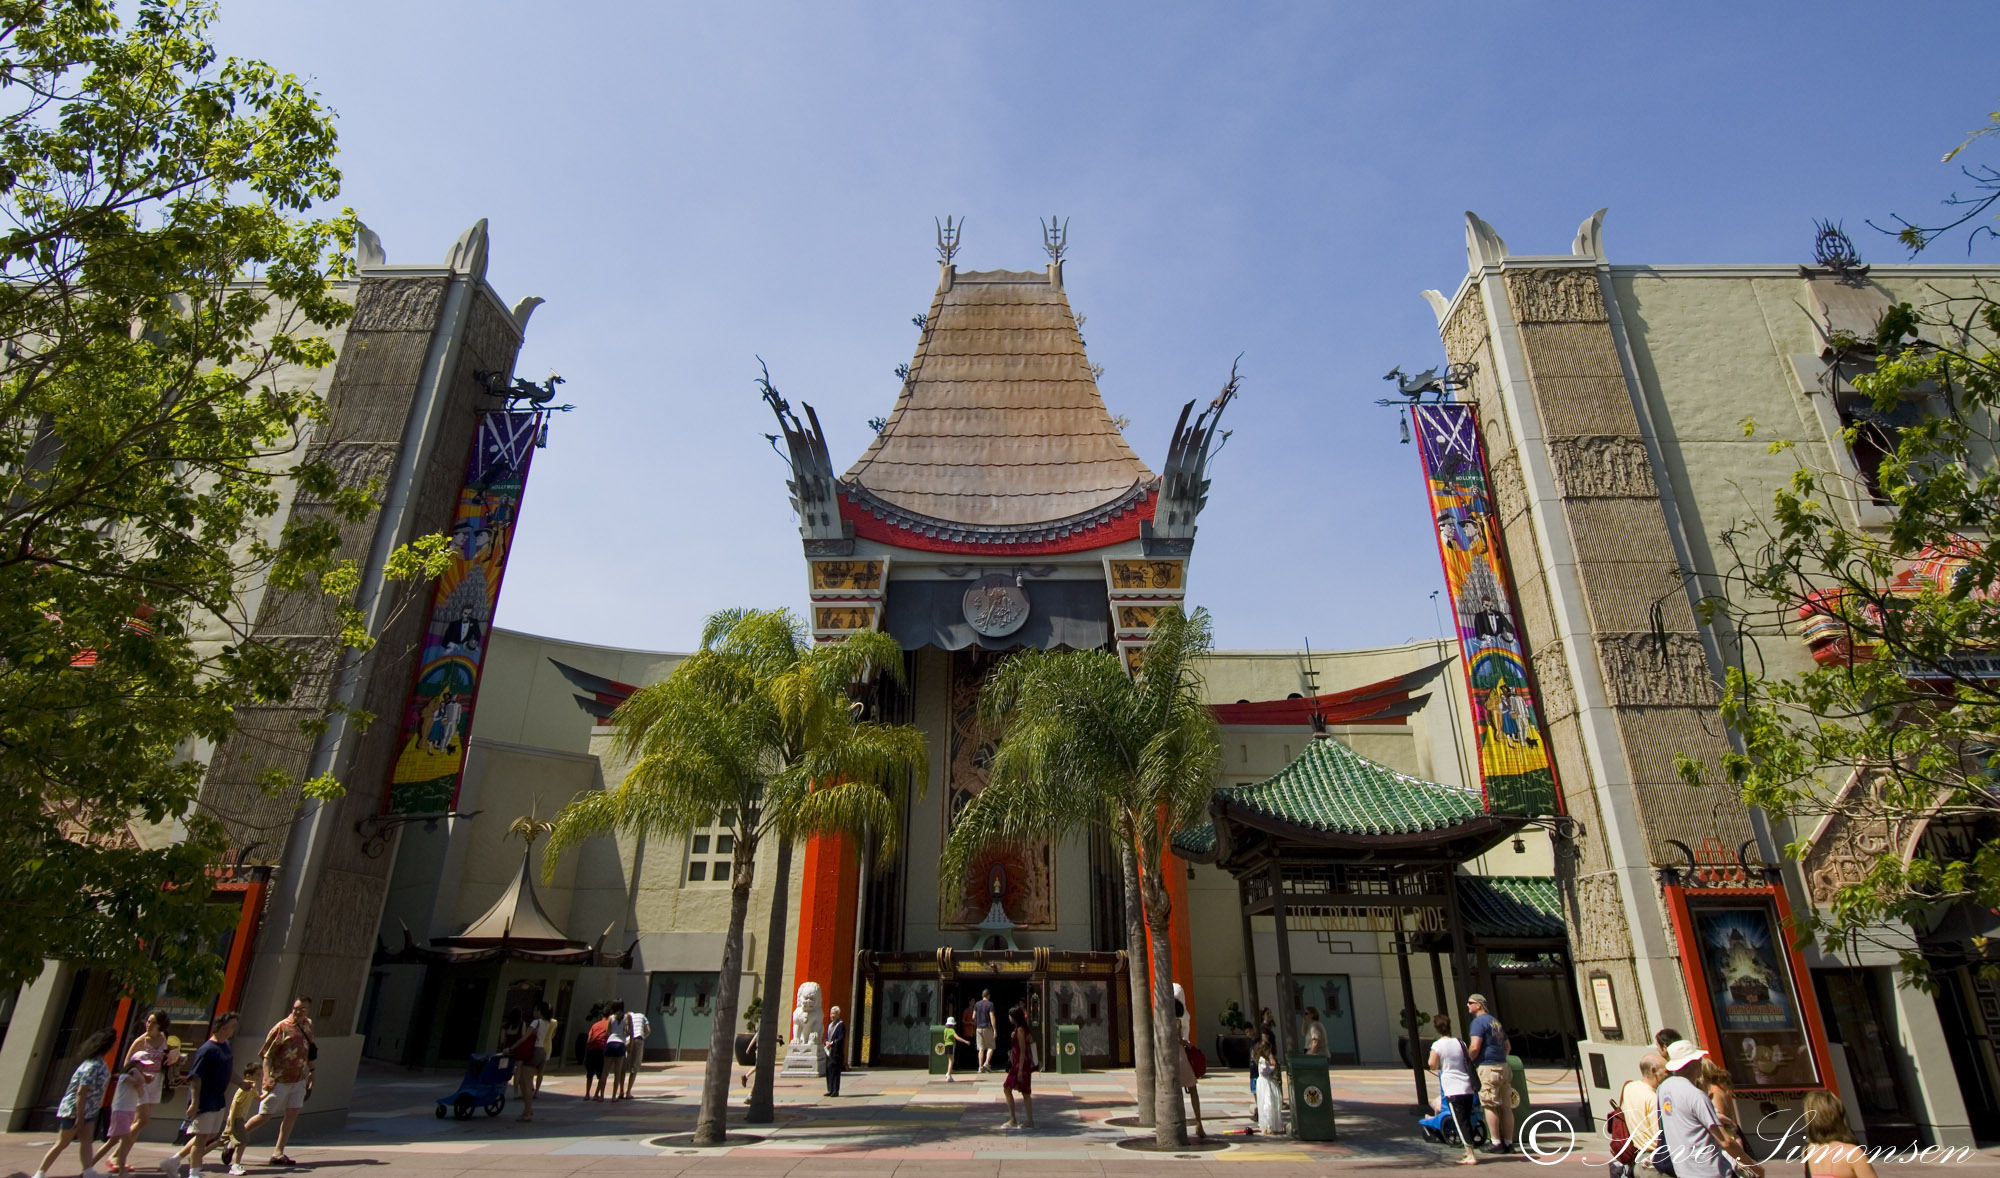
[[484, 1086], [1442, 1127]]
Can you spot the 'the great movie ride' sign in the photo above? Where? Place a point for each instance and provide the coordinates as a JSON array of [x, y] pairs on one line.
[[1506, 715], [430, 755]]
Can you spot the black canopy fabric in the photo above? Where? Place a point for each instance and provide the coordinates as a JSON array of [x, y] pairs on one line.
[[1072, 614]]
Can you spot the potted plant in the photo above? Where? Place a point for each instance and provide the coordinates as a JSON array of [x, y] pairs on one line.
[[1232, 1047], [743, 1041]]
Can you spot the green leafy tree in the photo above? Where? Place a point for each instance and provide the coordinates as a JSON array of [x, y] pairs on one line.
[[162, 286], [760, 731], [1885, 756], [1085, 746]]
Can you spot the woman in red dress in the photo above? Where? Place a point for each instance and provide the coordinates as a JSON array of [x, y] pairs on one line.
[[1020, 1071]]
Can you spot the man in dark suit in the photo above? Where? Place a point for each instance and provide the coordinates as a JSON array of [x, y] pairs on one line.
[[836, 1050]]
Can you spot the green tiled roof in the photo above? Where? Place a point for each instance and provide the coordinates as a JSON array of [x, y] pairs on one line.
[[1333, 789], [1511, 906]]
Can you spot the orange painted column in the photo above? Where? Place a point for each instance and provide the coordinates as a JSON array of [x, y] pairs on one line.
[[1179, 936], [827, 899]]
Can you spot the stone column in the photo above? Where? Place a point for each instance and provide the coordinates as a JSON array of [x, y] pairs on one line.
[[1588, 529]]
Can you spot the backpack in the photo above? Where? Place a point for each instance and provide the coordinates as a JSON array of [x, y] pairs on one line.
[[1623, 1150]]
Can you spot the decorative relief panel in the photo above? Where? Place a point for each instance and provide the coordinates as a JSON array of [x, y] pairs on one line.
[[842, 575], [1552, 678], [398, 304], [1636, 673], [1129, 575], [1510, 493], [1598, 920], [1465, 332], [1602, 467], [1555, 296]]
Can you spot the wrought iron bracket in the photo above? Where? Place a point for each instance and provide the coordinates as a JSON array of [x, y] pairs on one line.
[[377, 829]]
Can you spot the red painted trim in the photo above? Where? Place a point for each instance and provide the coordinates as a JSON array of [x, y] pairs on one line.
[[1709, 1033], [828, 897], [237, 970], [1116, 530], [1179, 936]]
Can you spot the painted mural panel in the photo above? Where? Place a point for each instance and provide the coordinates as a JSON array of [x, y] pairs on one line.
[[1019, 878], [1514, 761], [431, 752]]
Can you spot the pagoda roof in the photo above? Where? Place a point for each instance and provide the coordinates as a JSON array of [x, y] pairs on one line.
[[516, 919], [1333, 798], [1000, 424], [1511, 907]]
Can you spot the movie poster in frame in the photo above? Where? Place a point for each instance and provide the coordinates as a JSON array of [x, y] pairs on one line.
[[1755, 1016]]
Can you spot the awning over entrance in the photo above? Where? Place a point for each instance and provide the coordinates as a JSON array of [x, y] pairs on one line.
[[515, 927]]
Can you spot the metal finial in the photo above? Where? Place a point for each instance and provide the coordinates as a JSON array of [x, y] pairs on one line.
[[1833, 250], [947, 238], [528, 827], [1055, 237]]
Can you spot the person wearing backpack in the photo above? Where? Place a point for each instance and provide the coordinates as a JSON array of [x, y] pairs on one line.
[[1637, 1127]]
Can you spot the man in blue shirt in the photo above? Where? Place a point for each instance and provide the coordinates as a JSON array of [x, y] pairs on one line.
[[1487, 1046], [208, 1094]]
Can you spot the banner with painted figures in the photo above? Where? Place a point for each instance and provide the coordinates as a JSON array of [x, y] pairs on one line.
[[1514, 763], [431, 751]]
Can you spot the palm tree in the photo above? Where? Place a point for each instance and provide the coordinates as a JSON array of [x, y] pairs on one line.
[[756, 731], [1084, 745]]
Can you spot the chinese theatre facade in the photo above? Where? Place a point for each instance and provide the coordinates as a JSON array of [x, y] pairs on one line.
[[999, 508]]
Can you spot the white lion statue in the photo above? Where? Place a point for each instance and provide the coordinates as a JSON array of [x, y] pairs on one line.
[[806, 1019]]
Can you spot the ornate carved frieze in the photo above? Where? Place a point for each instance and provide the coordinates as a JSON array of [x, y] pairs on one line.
[[1510, 493], [1555, 296], [1552, 678], [1465, 332], [1638, 673], [1602, 467], [1598, 920], [398, 304]]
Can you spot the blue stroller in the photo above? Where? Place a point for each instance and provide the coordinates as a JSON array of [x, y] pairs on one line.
[[484, 1086], [1442, 1127]]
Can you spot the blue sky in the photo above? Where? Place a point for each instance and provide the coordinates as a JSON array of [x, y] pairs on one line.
[[690, 186]]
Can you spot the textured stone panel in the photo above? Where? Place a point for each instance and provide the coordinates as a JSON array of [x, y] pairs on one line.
[[1570, 405], [393, 358], [356, 464], [1620, 596], [1465, 332], [1638, 673], [1555, 296], [1625, 531], [1691, 815], [1532, 602], [1572, 767], [1652, 736], [398, 304], [343, 908], [1571, 350], [1602, 466], [1552, 676]]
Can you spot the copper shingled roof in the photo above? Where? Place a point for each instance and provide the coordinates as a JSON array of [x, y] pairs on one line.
[[1000, 422]]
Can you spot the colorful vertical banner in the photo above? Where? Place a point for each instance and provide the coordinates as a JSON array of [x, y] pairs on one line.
[[431, 752], [1514, 761]]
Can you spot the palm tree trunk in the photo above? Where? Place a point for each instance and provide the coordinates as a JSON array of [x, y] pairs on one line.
[[761, 1088], [1170, 1123], [711, 1123], [1141, 985]]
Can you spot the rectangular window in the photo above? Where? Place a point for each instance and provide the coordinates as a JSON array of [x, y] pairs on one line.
[[698, 871], [721, 870], [700, 846], [725, 844], [710, 849]]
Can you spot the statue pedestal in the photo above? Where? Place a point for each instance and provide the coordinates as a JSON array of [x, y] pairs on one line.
[[803, 1059]]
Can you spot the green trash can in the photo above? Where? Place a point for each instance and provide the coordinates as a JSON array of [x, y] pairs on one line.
[[1519, 1074], [941, 1048], [1069, 1049], [1312, 1098]]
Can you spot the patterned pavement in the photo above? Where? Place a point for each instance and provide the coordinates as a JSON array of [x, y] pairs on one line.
[[899, 1123]]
